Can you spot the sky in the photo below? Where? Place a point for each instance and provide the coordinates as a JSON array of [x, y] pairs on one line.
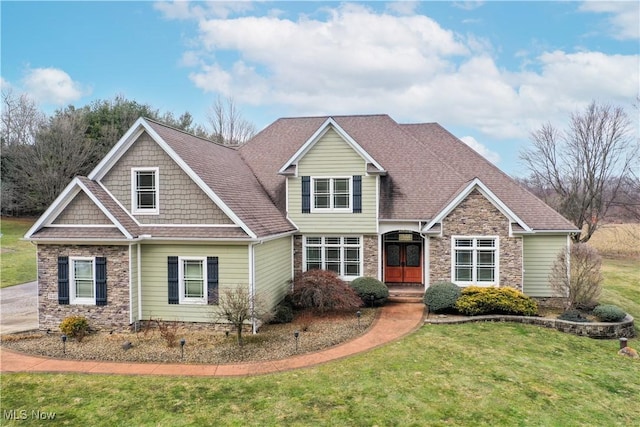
[[490, 72]]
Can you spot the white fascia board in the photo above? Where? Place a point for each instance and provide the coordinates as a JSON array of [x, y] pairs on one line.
[[476, 183], [63, 200], [119, 149], [329, 123]]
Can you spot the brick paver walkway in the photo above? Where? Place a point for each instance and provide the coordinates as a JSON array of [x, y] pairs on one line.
[[395, 321]]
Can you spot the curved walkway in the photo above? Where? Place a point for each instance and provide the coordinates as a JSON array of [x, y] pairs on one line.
[[395, 321]]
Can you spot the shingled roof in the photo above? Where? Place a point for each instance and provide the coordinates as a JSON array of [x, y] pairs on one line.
[[426, 167]]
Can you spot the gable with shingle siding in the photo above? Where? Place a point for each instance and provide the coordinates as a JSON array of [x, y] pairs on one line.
[[181, 201], [82, 210]]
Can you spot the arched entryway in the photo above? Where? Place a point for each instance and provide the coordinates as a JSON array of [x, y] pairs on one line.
[[403, 257]]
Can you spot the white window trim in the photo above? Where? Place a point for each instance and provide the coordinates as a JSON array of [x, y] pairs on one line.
[[331, 195], [182, 298], [342, 247], [134, 192], [474, 267], [72, 282]]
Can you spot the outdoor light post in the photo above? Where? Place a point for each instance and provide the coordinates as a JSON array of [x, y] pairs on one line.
[[64, 344], [358, 314], [182, 343], [296, 334]]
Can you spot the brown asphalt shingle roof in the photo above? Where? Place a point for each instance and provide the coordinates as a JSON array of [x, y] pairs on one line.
[[426, 167]]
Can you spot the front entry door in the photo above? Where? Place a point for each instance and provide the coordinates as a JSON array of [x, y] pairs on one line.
[[403, 262]]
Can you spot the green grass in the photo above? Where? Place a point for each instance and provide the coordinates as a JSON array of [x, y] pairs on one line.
[[18, 258], [622, 285]]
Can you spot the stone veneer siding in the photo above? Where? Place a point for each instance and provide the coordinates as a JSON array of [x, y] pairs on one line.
[[113, 316], [82, 210], [370, 255], [181, 201], [476, 216]]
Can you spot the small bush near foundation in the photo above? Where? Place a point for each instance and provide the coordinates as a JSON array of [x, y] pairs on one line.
[[573, 316], [282, 314], [475, 301], [372, 291], [441, 297], [323, 291], [609, 313], [169, 332], [75, 326]]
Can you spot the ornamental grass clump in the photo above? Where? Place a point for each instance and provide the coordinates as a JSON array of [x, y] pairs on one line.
[[372, 291], [609, 313], [441, 297], [476, 300], [75, 326]]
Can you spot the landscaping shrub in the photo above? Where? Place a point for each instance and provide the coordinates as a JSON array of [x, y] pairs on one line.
[[441, 297], [580, 284], [168, 332], [475, 300], [372, 291], [609, 313], [323, 291], [75, 326], [573, 316], [283, 314]]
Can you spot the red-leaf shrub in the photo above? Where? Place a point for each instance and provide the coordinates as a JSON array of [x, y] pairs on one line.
[[323, 291]]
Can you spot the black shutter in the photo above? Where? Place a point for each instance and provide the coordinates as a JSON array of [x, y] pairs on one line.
[[357, 194], [212, 280], [63, 280], [306, 194], [172, 270], [101, 281]]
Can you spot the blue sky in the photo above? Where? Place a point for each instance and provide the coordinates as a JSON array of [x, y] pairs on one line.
[[490, 72]]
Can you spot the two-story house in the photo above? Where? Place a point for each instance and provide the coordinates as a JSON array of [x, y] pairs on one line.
[[167, 220]]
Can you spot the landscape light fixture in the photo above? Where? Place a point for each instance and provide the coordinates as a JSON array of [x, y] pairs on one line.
[[358, 314], [182, 343], [64, 344], [296, 334]]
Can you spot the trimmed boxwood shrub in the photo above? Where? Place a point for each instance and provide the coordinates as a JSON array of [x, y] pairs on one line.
[[573, 316], [441, 297], [75, 326], [368, 287], [282, 314], [476, 300], [609, 313]]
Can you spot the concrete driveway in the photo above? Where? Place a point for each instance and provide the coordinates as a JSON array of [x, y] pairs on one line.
[[19, 308]]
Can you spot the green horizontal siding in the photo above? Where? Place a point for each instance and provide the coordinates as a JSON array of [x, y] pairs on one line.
[[331, 156], [273, 270], [540, 252], [233, 271]]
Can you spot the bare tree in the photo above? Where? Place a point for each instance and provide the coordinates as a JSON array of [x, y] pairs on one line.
[[581, 171], [228, 125], [21, 119], [237, 306], [576, 276]]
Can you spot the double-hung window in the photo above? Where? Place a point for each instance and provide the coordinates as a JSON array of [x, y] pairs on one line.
[[475, 261], [192, 276], [144, 190], [331, 194], [82, 280], [339, 254]]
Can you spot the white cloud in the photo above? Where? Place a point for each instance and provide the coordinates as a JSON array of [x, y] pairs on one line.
[[355, 60], [623, 20], [492, 156], [52, 86], [4, 84], [404, 7]]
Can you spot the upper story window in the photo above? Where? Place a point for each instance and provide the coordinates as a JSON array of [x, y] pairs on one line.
[[475, 261], [331, 194], [144, 190]]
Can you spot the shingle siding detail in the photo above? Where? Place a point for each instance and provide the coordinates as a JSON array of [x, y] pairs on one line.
[[181, 201], [477, 216], [82, 210], [112, 316]]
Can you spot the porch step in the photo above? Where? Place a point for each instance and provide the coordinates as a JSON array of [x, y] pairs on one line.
[[406, 294]]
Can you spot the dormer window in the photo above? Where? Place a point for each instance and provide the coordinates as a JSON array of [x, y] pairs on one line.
[[144, 191]]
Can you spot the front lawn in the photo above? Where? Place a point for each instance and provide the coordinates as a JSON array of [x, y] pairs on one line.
[[18, 260]]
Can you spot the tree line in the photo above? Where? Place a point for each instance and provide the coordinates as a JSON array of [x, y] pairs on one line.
[[41, 154]]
